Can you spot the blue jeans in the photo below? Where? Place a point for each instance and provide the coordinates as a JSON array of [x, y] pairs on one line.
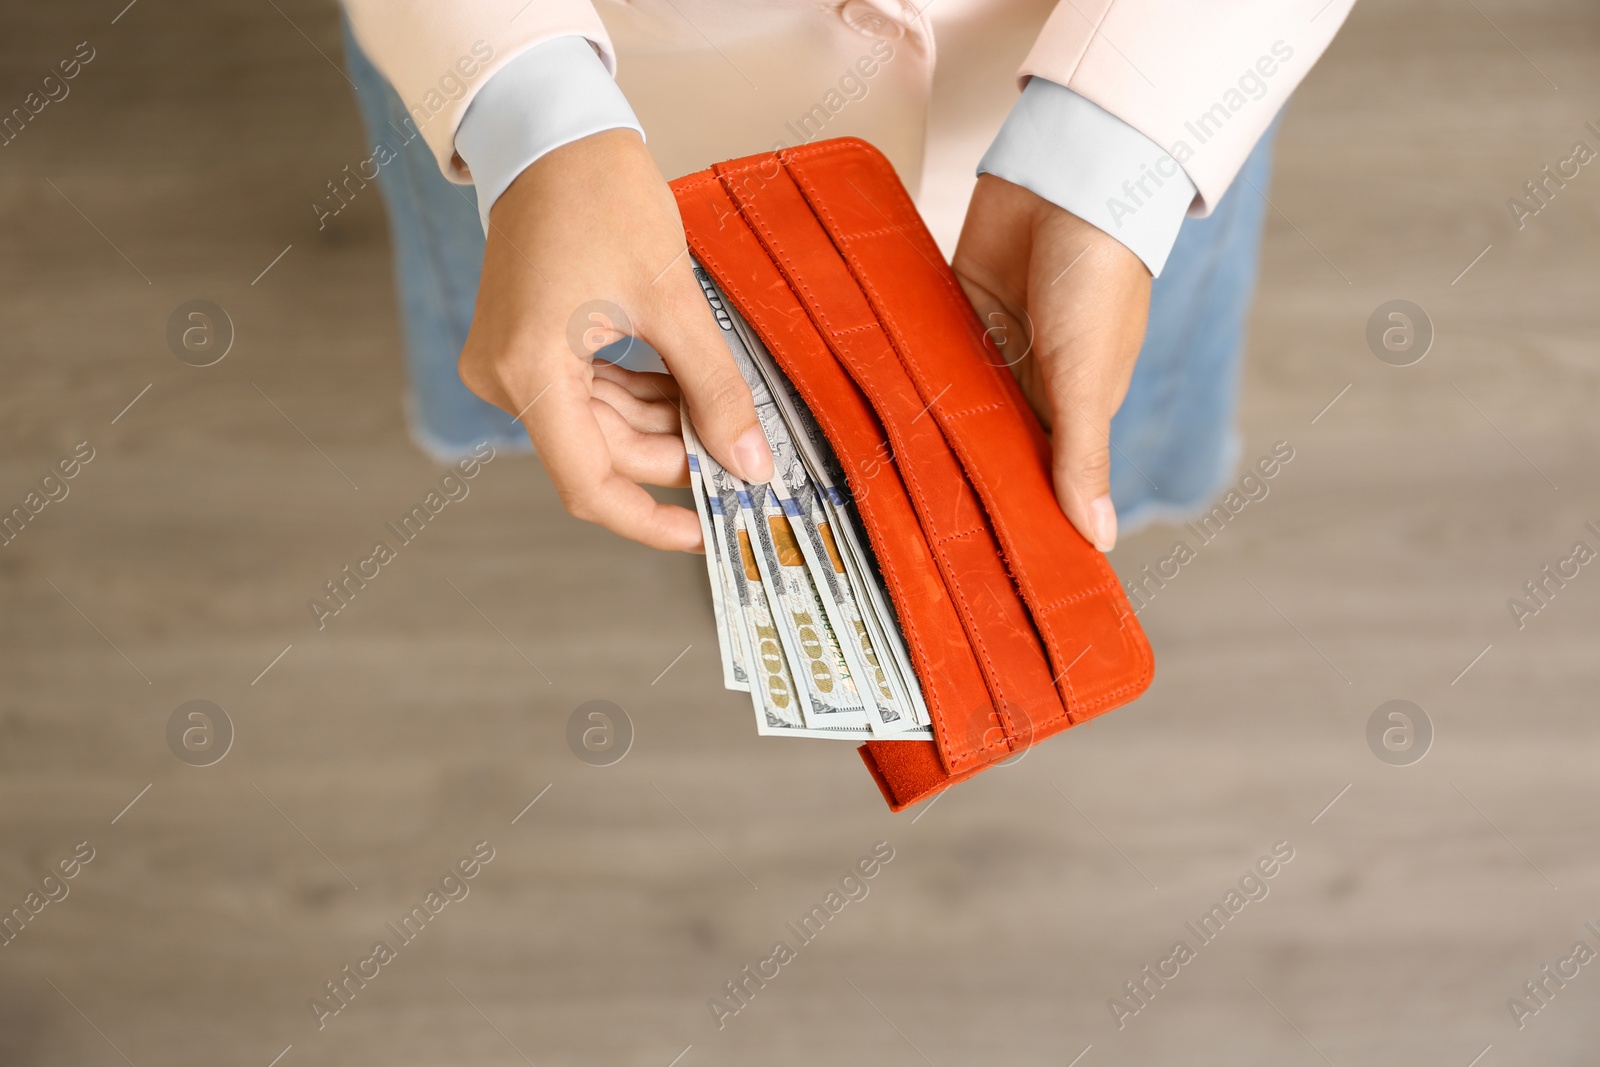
[[1173, 443]]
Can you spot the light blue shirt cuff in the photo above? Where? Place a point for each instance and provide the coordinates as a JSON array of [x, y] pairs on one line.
[[551, 95], [1082, 158]]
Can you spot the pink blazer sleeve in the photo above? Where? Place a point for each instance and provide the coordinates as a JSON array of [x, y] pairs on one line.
[[439, 53], [1201, 79]]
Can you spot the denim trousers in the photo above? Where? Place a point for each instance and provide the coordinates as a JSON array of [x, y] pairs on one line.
[[1173, 442]]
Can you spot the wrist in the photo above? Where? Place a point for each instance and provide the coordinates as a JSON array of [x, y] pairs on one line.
[[581, 164], [1091, 163], [552, 95]]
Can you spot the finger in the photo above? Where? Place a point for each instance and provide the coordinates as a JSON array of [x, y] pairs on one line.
[[1081, 467], [622, 507], [646, 385], [574, 452], [657, 417], [649, 458], [985, 302], [684, 332], [1091, 315]]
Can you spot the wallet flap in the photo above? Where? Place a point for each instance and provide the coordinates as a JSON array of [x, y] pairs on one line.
[[1098, 652], [951, 517]]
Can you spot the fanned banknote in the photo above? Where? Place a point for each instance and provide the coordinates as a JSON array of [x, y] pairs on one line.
[[880, 640], [730, 632], [802, 616]]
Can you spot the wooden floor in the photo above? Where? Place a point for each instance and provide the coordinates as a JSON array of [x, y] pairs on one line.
[[373, 755]]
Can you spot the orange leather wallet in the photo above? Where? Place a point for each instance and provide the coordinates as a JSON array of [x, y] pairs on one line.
[[1016, 625]]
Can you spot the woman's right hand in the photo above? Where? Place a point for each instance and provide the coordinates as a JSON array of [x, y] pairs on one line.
[[595, 221]]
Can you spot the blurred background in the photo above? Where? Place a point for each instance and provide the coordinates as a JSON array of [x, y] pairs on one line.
[[1432, 875]]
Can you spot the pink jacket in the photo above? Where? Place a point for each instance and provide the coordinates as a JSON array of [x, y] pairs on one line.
[[1201, 78]]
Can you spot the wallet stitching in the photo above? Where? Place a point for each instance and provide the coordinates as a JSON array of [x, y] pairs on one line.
[[878, 232], [1001, 720], [972, 411], [959, 536], [1085, 594], [850, 146], [897, 586], [819, 318]]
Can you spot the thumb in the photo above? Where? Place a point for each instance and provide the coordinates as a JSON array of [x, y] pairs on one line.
[[690, 342], [1081, 466]]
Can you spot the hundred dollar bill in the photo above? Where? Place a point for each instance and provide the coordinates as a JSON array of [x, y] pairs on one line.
[[775, 693], [882, 652], [806, 628], [887, 710], [829, 704], [724, 597], [835, 699], [772, 688]]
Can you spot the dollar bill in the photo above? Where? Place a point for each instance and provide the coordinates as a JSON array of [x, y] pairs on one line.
[[882, 652], [888, 710], [777, 694], [772, 688], [806, 628], [824, 701], [832, 698], [724, 597]]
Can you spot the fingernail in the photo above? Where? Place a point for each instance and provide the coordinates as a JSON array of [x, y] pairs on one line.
[[752, 456], [1103, 524]]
